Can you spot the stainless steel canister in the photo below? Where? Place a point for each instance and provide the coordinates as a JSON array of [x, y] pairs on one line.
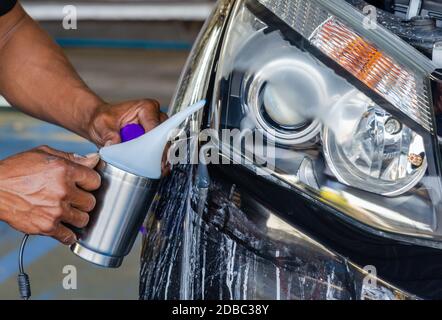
[[122, 204]]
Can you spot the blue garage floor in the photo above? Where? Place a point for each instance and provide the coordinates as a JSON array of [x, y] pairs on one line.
[[45, 258]]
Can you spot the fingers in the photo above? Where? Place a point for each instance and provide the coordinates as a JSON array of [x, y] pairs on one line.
[[85, 178], [84, 201], [80, 169], [108, 121], [149, 114], [165, 170], [165, 165], [112, 138], [64, 235], [90, 161], [55, 228], [163, 117], [75, 217]]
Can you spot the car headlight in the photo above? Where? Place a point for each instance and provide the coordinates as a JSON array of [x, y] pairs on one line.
[[349, 108]]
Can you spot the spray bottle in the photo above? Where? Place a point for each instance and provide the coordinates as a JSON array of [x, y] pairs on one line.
[[130, 172]]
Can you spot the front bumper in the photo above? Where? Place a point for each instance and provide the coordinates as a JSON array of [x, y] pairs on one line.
[[220, 241]]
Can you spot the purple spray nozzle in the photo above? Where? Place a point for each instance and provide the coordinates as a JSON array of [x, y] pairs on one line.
[[131, 132], [143, 156]]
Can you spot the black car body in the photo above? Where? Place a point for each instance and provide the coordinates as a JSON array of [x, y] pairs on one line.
[[228, 232]]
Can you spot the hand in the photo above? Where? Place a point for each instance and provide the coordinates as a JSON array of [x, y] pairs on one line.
[[42, 188], [108, 120]]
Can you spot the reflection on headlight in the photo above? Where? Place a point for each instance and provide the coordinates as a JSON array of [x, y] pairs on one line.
[[279, 109], [293, 90], [285, 94], [365, 209], [374, 151]]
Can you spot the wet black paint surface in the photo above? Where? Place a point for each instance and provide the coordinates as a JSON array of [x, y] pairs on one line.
[[220, 243]]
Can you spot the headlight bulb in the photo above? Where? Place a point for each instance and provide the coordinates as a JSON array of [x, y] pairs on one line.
[[378, 155]]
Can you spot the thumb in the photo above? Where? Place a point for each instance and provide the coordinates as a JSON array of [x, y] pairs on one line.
[[111, 139], [91, 160]]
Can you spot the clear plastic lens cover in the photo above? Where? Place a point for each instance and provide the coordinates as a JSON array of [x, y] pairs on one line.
[[334, 140], [376, 153]]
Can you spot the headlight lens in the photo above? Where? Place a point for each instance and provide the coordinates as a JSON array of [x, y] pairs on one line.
[[348, 108], [280, 95], [375, 152]]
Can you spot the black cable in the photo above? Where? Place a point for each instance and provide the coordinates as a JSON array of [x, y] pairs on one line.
[[24, 285]]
